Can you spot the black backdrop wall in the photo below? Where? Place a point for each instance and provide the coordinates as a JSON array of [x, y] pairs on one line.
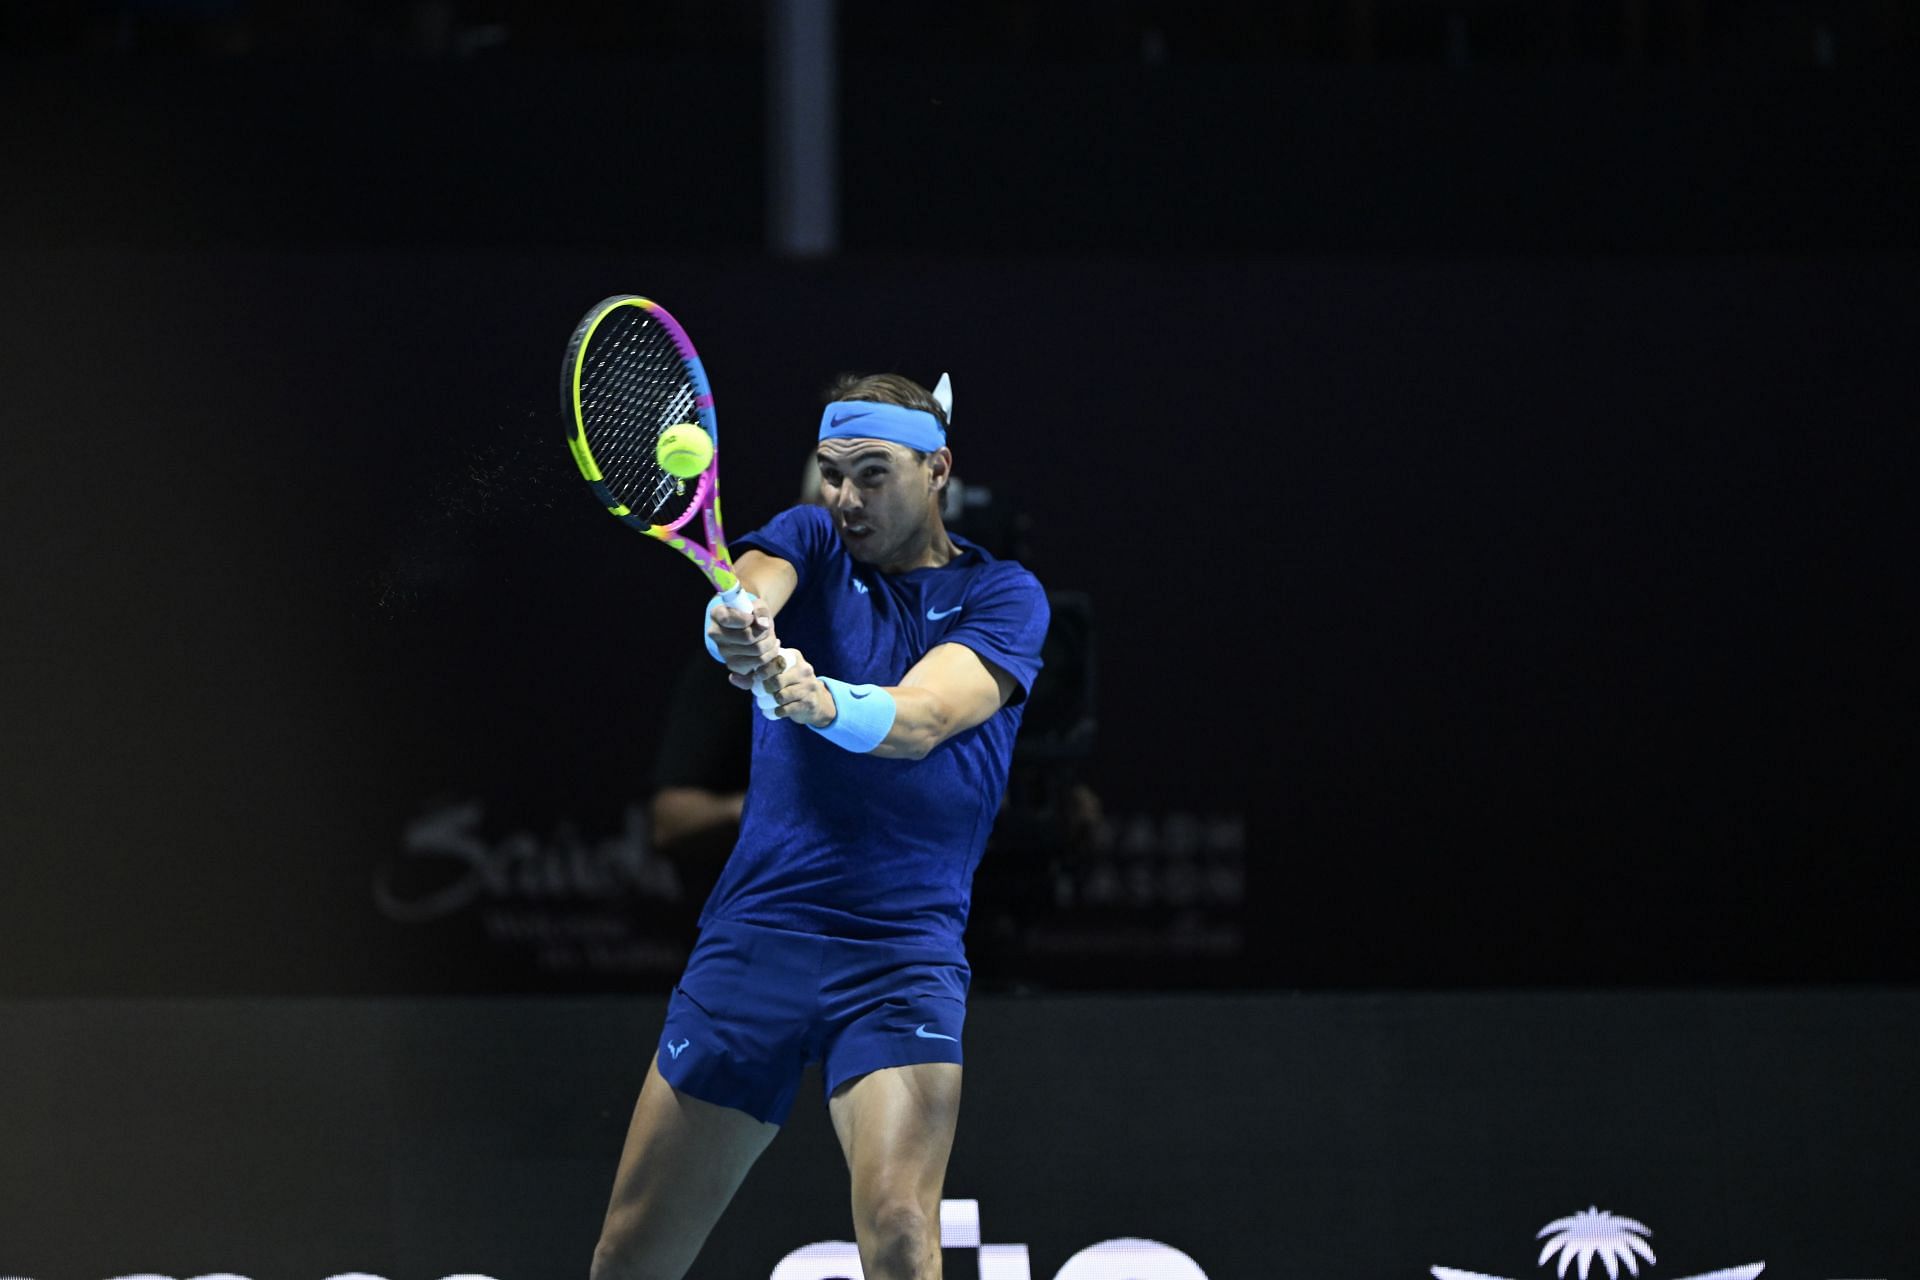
[[950, 153], [1489, 483], [1546, 620]]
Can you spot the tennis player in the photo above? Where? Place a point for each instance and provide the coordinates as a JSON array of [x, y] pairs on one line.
[[898, 657]]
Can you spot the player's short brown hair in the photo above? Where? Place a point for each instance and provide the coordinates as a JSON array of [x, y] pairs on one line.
[[886, 388]]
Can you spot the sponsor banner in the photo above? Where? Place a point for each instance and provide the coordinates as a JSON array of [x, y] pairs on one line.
[[1133, 898], [1498, 1136], [555, 907]]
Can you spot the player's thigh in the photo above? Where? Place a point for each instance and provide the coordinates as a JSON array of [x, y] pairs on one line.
[[681, 1165], [896, 1127]]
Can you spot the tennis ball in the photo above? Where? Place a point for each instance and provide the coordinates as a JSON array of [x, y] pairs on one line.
[[684, 450]]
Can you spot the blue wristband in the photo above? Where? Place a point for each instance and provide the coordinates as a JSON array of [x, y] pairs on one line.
[[863, 713], [745, 600]]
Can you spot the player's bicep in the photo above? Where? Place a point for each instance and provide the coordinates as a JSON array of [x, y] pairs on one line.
[[969, 687], [768, 577]]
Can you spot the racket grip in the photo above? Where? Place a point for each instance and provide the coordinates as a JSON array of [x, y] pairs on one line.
[[734, 597], [738, 597], [780, 662]]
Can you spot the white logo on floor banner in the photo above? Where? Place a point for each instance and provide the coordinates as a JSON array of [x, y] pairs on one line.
[[1618, 1243], [1124, 1259]]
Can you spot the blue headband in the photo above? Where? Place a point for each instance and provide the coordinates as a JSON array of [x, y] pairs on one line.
[[868, 420]]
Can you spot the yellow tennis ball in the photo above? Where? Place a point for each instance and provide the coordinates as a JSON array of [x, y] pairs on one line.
[[684, 450]]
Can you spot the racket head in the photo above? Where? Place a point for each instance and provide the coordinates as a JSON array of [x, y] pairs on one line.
[[630, 372]]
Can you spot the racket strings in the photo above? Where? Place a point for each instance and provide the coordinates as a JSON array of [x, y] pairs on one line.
[[633, 386]]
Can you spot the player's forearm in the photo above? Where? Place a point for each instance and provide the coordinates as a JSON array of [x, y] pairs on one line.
[[771, 579], [922, 720], [950, 690]]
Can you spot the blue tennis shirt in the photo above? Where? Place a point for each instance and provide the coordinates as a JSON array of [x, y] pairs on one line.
[[855, 846]]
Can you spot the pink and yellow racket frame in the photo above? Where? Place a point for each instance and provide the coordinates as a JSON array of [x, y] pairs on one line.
[[710, 557]]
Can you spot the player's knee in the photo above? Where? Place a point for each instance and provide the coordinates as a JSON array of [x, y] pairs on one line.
[[903, 1239], [627, 1260]]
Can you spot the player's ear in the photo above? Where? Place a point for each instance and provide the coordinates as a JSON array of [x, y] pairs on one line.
[[939, 467]]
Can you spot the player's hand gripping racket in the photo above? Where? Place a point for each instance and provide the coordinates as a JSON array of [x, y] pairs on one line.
[[631, 377]]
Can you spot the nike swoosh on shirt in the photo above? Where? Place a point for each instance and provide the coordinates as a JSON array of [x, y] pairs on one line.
[[948, 613], [925, 1034]]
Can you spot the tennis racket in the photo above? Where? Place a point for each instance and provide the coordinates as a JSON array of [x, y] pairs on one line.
[[630, 374]]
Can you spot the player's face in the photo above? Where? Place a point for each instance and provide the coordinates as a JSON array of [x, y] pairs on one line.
[[881, 497]]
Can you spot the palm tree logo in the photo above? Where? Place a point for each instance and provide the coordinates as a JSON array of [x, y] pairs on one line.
[[1617, 1241], [1595, 1233]]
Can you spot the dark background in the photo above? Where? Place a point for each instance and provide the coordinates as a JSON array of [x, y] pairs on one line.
[[1471, 439], [1482, 431]]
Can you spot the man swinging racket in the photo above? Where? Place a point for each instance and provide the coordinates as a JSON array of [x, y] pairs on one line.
[[898, 670]]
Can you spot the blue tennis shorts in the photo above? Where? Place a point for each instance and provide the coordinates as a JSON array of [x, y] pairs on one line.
[[756, 1005]]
